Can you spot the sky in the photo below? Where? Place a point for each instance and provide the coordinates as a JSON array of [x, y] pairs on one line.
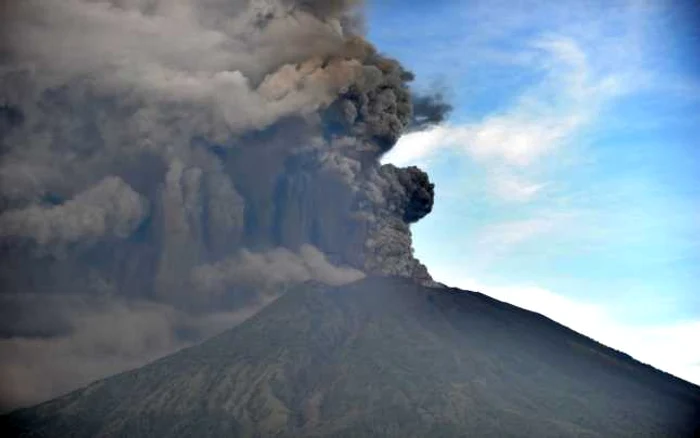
[[567, 175]]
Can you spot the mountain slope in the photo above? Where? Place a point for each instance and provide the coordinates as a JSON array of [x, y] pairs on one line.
[[380, 357]]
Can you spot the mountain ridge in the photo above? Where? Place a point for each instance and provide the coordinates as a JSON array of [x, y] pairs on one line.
[[380, 357]]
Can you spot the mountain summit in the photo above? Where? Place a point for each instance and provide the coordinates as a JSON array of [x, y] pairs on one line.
[[382, 356]]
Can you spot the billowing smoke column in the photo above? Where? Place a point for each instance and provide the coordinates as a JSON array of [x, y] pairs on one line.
[[168, 167]]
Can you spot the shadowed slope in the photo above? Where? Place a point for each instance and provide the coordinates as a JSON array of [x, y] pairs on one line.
[[380, 357]]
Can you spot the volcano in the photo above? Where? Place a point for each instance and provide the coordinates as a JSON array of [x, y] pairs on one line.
[[383, 356]]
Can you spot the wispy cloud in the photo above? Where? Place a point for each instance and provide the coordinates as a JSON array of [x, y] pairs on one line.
[[500, 239], [510, 144], [511, 187], [501, 236]]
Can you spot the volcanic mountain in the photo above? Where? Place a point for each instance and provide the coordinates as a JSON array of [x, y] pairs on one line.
[[383, 356]]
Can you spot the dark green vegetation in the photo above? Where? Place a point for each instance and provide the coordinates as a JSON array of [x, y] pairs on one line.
[[381, 357]]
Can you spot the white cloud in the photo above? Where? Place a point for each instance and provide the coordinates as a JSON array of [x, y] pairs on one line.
[[418, 147], [506, 234], [514, 139], [518, 139], [665, 346], [511, 187], [499, 239], [510, 144]]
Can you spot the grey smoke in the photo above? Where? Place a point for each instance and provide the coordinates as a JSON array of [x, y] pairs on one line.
[[429, 110], [271, 269], [109, 209], [168, 167], [50, 344], [107, 336]]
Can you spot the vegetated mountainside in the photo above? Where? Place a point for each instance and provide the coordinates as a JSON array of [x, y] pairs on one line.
[[380, 357]]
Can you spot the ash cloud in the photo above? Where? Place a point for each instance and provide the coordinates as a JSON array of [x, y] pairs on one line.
[[108, 209], [429, 109], [169, 167]]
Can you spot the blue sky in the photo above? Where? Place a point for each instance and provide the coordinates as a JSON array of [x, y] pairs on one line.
[[567, 176]]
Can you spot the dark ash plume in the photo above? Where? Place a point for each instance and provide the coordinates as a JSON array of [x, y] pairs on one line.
[[169, 167], [428, 110]]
